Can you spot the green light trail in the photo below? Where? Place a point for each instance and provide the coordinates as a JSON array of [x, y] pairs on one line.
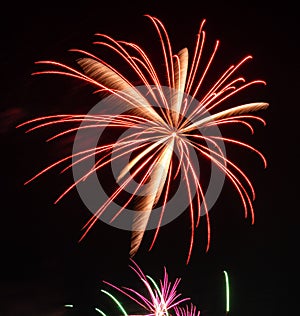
[[116, 301], [227, 291], [100, 311]]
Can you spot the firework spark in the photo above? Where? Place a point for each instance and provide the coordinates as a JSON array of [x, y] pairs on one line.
[[161, 122], [188, 310]]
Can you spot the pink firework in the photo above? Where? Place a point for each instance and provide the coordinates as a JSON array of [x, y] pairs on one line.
[[164, 122], [161, 297], [188, 310]]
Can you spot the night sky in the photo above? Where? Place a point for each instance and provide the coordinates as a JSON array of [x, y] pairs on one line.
[[43, 267]]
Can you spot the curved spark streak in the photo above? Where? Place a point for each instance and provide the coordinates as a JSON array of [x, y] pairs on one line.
[[100, 311], [116, 301], [166, 122]]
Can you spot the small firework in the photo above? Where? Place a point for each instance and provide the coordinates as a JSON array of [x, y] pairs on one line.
[[162, 297], [166, 120]]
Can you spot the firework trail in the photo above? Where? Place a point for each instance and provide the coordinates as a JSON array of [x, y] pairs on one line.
[[161, 297], [227, 292], [120, 306], [163, 121]]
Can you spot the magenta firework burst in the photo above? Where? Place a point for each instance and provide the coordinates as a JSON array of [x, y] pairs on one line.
[[169, 119], [160, 298]]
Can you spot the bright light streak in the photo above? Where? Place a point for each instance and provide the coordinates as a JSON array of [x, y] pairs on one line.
[[117, 302], [100, 311], [227, 291]]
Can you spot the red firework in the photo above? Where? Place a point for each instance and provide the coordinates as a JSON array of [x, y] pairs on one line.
[[166, 123]]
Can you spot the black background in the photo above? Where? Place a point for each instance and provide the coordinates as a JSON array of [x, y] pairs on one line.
[[42, 265]]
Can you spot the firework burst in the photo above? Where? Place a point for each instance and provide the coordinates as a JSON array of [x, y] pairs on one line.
[[165, 122], [160, 298], [155, 299]]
